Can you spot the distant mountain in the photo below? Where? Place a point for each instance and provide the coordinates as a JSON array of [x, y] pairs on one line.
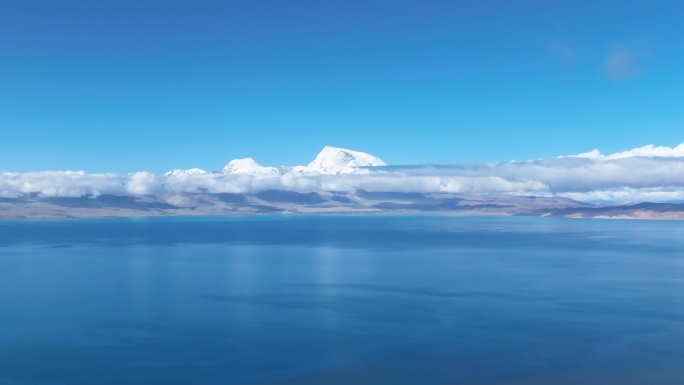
[[335, 182], [247, 166], [192, 171], [333, 160], [291, 202]]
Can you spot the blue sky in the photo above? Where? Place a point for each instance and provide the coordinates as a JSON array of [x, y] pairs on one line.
[[123, 86]]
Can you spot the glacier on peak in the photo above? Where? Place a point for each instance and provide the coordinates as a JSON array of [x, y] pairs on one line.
[[331, 160], [192, 171], [334, 160], [247, 166]]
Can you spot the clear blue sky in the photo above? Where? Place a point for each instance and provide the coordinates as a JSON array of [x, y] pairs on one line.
[[122, 86]]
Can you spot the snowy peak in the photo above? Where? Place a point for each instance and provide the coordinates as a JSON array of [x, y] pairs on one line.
[[247, 166], [192, 171], [333, 160]]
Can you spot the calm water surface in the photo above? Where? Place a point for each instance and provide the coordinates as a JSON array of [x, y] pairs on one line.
[[342, 300]]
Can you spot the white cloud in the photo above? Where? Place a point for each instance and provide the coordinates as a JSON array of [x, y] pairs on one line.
[[649, 151], [644, 174], [626, 194]]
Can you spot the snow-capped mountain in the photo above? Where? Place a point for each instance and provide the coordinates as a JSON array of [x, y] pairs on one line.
[[192, 171], [333, 160], [247, 166]]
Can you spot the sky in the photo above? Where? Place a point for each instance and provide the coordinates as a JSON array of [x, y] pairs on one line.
[[125, 86]]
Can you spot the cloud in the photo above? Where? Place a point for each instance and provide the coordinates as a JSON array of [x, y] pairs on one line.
[[626, 194], [622, 64], [648, 151], [647, 173], [565, 54]]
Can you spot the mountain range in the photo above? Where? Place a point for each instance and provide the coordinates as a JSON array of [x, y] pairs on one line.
[[336, 182], [320, 202], [331, 160]]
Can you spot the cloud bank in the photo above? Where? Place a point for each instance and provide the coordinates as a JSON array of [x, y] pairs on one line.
[[649, 173]]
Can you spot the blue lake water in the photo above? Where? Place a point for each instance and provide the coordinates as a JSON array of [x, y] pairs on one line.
[[342, 300]]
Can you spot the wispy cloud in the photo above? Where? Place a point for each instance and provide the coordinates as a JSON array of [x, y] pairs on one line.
[[564, 52], [622, 63]]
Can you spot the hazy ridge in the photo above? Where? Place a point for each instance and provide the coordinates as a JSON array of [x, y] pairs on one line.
[[320, 202]]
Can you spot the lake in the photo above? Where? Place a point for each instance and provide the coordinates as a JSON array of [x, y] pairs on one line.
[[280, 300]]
